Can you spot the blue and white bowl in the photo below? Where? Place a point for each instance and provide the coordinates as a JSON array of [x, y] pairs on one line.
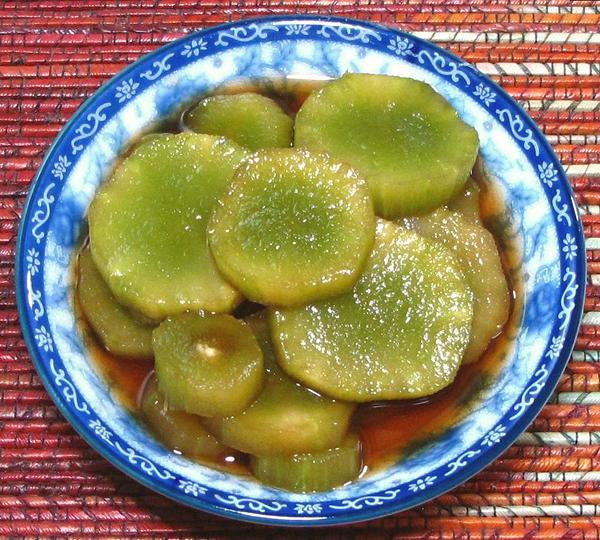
[[517, 159]]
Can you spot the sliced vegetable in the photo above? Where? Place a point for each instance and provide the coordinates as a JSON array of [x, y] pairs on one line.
[[285, 418], [400, 333], [209, 365], [177, 429], [251, 120], [148, 225], [476, 249], [401, 135], [293, 227], [118, 330], [315, 471]]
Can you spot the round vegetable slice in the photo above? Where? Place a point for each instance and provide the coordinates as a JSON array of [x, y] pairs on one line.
[[293, 227], [400, 333], [285, 418], [207, 364], [120, 332], [148, 225], [315, 471], [177, 429], [252, 120], [406, 139], [475, 247], [467, 203]]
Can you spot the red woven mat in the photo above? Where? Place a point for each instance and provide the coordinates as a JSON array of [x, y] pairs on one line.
[[55, 53]]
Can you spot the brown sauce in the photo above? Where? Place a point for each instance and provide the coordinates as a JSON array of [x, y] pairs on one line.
[[388, 430]]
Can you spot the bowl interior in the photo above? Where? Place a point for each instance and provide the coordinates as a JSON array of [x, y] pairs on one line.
[[538, 221]]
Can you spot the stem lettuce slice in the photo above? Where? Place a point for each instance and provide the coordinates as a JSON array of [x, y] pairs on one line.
[[249, 119], [209, 365], [399, 333], [293, 227], [148, 225], [406, 139]]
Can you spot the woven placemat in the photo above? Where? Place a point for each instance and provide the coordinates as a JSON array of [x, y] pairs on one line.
[[55, 53]]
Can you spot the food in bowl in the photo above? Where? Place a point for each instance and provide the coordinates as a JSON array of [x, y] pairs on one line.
[[289, 294]]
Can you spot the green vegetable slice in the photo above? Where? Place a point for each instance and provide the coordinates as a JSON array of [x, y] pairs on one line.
[[118, 330], [209, 365], [467, 202], [285, 418], [251, 120], [310, 472], [177, 429], [475, 247], [293, 227], [400, 333], [406, 139], [148, 225]]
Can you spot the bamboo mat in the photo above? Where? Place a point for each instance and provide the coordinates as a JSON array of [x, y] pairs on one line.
[[55, 53]]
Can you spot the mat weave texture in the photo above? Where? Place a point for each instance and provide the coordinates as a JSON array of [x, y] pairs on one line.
[[55, 53]]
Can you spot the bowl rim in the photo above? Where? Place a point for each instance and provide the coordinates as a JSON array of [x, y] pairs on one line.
[[352, 516]]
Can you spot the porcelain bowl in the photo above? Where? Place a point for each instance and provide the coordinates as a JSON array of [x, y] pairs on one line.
[[538, 208]]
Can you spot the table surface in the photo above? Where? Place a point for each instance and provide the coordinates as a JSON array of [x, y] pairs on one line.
[[55, 53]]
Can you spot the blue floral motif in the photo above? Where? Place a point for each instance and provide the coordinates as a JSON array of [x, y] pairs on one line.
[[400, 46], [193, 48], [33, 261], [460, 461], [101, 431], [359, 503], [494, 436], [59, 168], [309, 509], [422, 483], [485, 94], [296, 29], [63, 382], [548, 173], [569, 247], [362, 35], [444, 66], [44, 339], [41, 216], [87, 129], [567, 299], [192, 488], [246, 503], [126, 90], [245, 34], [529, 394], [519, 130], [555, 347], [37, 305], [161, 66]]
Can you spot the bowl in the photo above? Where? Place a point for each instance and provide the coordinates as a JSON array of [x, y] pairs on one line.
[[539, 215]]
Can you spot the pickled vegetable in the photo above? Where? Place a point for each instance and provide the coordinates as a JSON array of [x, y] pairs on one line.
[[316, 471], [293, 227], [467, 202], [209, 365], [120, 332], [476, 249], [406, 139], [177, 429], [400, 333], [285, 418], [148, 225], [251, 120]]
